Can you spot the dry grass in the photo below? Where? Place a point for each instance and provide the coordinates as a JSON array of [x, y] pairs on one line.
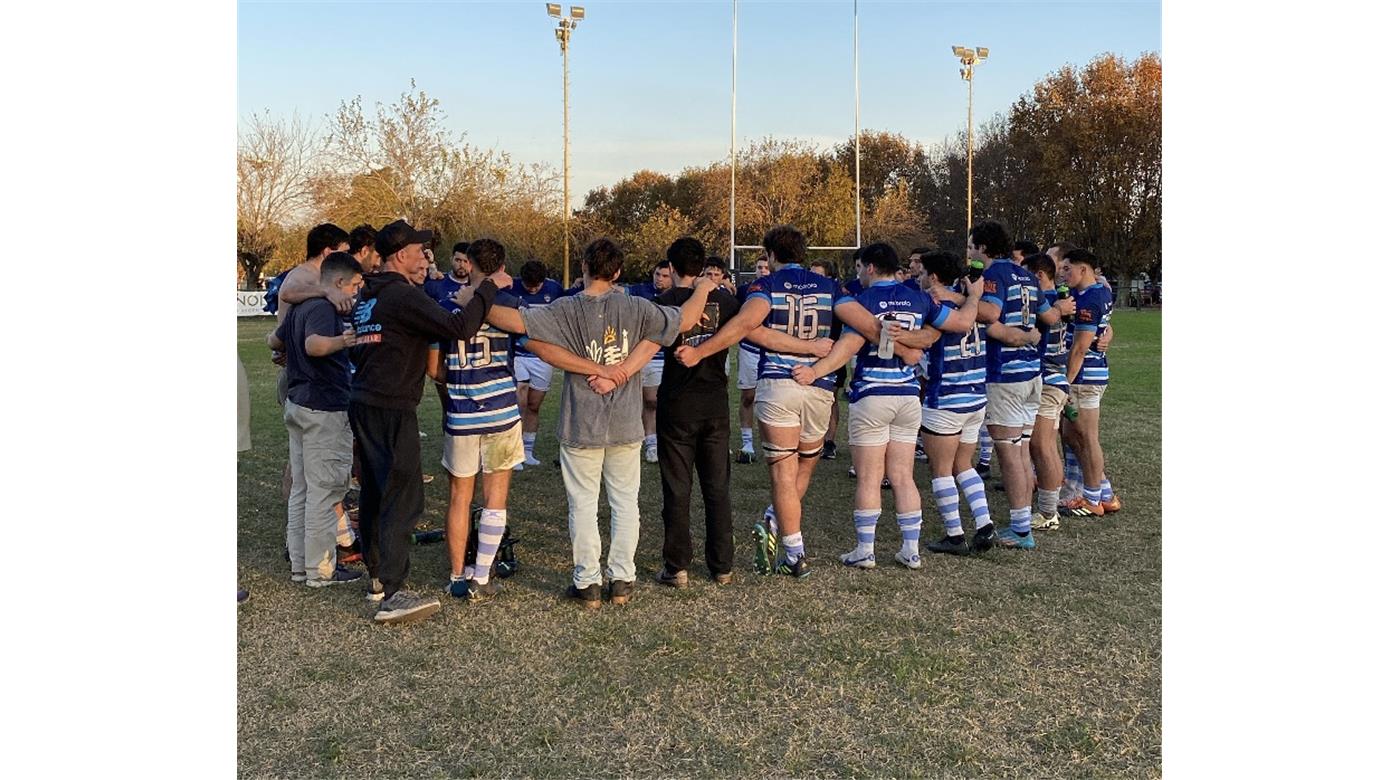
[[1013, 664]]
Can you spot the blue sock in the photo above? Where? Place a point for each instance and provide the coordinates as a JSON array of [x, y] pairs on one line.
[[1092, 496], [984, 447], [945, 496], [976, 494], [1106, 490], [488, 538], [910, 523], [1021, 520], [792, 547], [1074, 476], [866, 519]]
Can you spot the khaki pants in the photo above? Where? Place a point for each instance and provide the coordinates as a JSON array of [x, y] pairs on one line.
[[319, 446]]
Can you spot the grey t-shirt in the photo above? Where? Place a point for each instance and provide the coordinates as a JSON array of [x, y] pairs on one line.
[[602, 328]]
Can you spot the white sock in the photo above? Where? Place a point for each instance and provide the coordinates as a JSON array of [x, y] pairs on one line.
[[651, 440], [529, 445], [746, 437]]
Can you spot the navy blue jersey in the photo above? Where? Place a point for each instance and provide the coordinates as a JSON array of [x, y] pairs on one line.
[[646, 290], [803, 306], [910, 308], [1093, 308], [274, 285], [1016, 291], [549, 291], [480, 379], [854, 287], [446, 288]]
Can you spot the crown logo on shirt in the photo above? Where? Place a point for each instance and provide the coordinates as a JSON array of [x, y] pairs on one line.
[[610, 335]]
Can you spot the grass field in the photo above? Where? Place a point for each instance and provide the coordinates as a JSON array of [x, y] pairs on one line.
[[1045, 663]]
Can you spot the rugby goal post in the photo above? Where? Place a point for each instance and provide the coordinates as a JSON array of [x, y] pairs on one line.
[[733, 122]]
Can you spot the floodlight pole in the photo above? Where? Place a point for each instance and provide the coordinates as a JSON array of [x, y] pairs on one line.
[[855, 34], [733, 118], [563, 33], [970, 57]]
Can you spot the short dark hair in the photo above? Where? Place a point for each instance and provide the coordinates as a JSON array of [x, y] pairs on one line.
[[603, 259], [1040, 263], [855, 256], [945, 266], [533, 272], [921, 251], [787, 244], [823, 263], [361, 237], [882, 256], [993, 236], [324, 236], [1064, 247], [487, 255], [1026, 248], [339, 264], [686, 256], [461, 246], [1083, 257], [661, 264], [714, 260]]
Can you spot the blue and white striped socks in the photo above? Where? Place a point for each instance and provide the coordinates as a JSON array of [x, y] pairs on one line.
[[792, 547], [1021, 520], [488, 538], [1092, 496], [910, 524], [865, 520], [1074, 476], [1046, 502], [984, 447], [1106, 490], [945, 497], [976, 494]]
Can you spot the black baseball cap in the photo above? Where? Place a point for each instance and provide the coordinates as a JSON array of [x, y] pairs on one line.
[[398, 234]]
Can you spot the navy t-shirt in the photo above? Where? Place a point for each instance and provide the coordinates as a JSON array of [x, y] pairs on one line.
[[320, 383]]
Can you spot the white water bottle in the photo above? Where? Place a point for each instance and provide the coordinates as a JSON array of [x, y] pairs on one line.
[[886, 348]]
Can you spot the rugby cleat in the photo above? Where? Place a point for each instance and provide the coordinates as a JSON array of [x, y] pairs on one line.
[[1009, 538], [1112, 505], [858, 560], [1040, 522]]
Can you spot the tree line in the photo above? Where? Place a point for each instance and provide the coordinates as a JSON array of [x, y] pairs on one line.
[[1077, 158]]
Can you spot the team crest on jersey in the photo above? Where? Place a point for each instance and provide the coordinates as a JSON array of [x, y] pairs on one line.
[[755, 287], [1086, 315], [989, 286]]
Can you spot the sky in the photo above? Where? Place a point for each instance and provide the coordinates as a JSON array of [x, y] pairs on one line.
[[649, 82]]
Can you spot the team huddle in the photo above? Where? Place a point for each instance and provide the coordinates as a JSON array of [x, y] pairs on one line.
[[1003, 351]]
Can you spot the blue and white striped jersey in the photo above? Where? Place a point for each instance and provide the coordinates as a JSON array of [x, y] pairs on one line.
[[646, 290], [480, 379], [803, 306], [1093, 308], [1016, 291], [911, 308], [1054, 354], [957, 371]]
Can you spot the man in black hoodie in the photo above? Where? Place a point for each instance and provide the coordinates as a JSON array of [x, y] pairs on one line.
[[394, 324]]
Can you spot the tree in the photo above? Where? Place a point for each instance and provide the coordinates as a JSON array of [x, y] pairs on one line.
[[277, 161]]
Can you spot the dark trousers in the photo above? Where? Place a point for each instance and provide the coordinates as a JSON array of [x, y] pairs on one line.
[[391, 488], [703, 444]]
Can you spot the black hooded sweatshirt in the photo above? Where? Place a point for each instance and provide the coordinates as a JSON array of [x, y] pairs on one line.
[[395, 321]]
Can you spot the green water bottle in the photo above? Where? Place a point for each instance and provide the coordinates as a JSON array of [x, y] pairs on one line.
[[1071, 411]]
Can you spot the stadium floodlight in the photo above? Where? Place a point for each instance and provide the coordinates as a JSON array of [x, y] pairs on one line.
[[562, 33], [970, 58]]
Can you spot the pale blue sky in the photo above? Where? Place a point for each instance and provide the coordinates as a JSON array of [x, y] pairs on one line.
[[649, 81]]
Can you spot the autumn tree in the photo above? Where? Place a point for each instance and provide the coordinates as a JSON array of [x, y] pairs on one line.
[[277, 161]]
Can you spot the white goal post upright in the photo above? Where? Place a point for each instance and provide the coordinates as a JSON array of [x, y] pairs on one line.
[[733, 122]]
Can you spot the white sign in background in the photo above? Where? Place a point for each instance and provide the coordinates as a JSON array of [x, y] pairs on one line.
[[250, 303]]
